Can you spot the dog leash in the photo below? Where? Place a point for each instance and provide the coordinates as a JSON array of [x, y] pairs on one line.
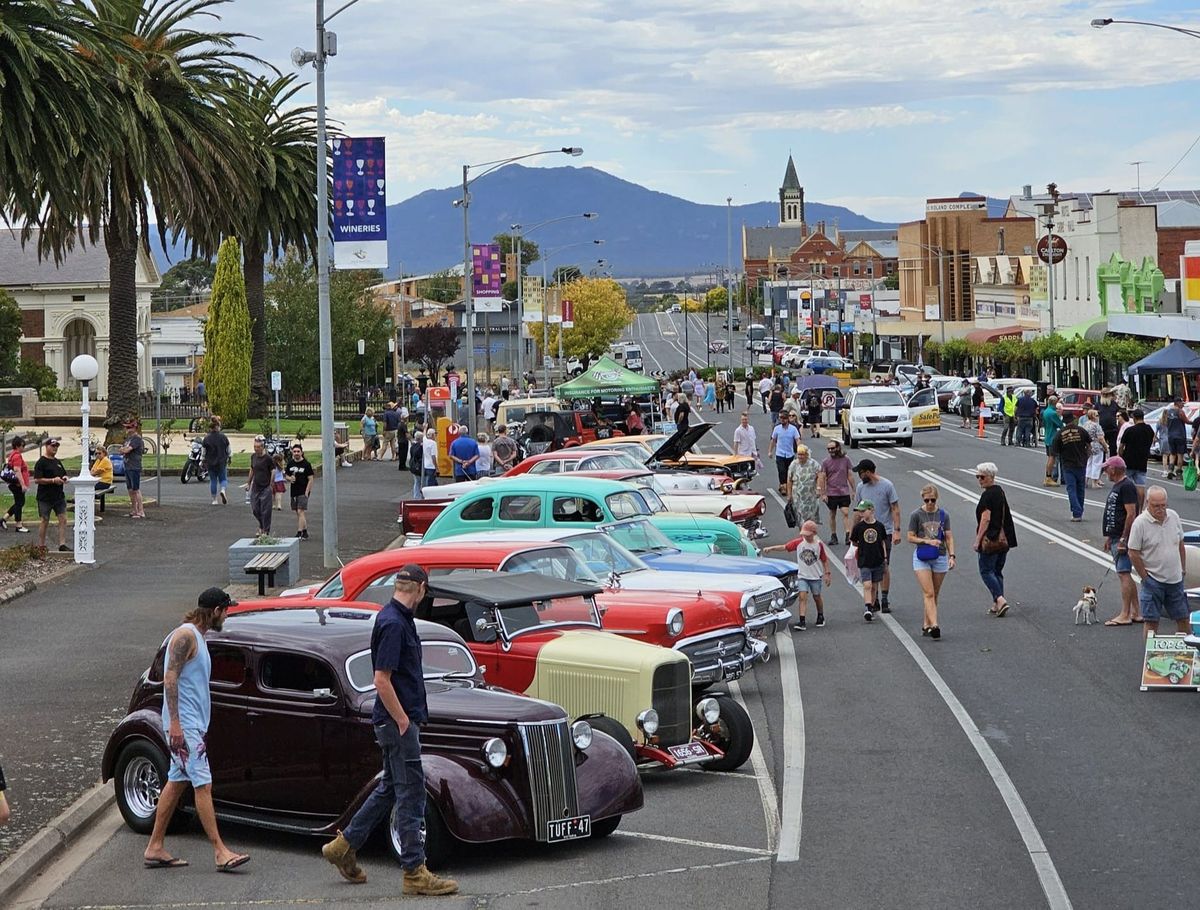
[[1102, 581]]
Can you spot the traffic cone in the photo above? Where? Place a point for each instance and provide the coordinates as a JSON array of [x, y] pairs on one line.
[[981, 434]]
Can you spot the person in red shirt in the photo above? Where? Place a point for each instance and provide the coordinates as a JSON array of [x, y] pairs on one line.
[[16, 474], [812, 571]]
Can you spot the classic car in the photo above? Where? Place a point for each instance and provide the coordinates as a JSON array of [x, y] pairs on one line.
[[680, 450], [548, 431], [292, 747], [1172, 669], [543, 636], [762, 599], [564, 501], [690, 621], [1078, 401], [744, 509]]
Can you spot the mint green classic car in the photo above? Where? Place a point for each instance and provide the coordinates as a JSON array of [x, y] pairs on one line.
[[541, 501]]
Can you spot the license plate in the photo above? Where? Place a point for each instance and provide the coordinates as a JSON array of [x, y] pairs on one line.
[[569, 828], [688, 752]]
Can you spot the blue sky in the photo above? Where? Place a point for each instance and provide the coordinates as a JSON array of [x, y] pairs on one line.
[[882, 102]]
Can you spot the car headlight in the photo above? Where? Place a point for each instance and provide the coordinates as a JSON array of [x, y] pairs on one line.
[[708, 710], [749, 607], [778, 601], [581, 734], [647, 721], [495, 753], [675, 622]]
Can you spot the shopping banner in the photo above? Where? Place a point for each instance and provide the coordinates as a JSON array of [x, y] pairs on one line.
[[1170, 663], [553, 305], [568, 314], [1039, 287], [534, 298], [359, 204], [487, 267], [1189, 271]]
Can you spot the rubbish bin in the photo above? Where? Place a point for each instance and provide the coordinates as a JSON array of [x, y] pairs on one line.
[[341, 439]]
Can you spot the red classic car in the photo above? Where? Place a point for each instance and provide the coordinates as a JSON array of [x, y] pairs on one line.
[[541, 635], [706, 626], [292, 747], [1078, 401]]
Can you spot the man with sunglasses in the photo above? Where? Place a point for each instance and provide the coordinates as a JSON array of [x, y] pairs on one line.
[[835, 485], [300, 472], [51, 479]]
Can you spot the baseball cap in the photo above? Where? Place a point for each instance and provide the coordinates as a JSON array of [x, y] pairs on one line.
[[865, 465], [795, 391], [1115, 462], [214, 599], [52, 440], [863, 505], [412, 572]]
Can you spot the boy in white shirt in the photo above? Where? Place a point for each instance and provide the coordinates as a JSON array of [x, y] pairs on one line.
[[812, 571]]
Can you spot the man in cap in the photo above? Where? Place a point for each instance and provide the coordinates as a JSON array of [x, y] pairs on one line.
[[391, 426], [187, 706], [881, 492], [399, 710], [871, 541], [51, 479], [132, 451], [1120, 509]]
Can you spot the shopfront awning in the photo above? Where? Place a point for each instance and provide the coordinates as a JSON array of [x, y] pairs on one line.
[[1092, 329], [982, 336]]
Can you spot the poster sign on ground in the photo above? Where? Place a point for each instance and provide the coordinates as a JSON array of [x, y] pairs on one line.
[[359, 204], [1169, 663], [487, 277]]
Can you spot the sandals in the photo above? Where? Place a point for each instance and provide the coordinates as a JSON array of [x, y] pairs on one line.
[[170, 862]]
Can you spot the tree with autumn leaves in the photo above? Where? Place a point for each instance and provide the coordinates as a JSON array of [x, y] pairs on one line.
[[601, 315]]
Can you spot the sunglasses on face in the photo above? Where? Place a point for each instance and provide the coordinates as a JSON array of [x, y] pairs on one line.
[[980, 476], [934, 499]]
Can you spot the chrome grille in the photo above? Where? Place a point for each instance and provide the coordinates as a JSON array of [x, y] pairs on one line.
[[875, 418], [765, 601], [724, 647], [550, 759], [672, 699]]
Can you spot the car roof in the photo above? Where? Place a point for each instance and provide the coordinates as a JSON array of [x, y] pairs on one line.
[[551, 483], [528, 537], [502, 589], [432, 551], [323, 628], [571, 454]]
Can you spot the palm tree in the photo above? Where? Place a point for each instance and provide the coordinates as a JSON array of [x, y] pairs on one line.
[[279, 207], [49, 103], [178, 151]]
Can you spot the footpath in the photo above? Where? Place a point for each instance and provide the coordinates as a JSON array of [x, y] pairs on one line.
[[71, 651]]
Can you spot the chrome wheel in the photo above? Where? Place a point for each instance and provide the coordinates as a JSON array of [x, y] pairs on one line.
[[142, 785]]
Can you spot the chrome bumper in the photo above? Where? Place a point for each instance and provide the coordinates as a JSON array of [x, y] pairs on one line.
[[766, 624]]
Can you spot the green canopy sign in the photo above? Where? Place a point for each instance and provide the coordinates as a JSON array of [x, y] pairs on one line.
[[607, 377]]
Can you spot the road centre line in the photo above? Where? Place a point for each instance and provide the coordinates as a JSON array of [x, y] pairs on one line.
[[762, 776], [1039, 855], [688, 842], [791, 820]]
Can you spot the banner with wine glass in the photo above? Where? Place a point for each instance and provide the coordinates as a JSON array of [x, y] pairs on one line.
[[359, 204]]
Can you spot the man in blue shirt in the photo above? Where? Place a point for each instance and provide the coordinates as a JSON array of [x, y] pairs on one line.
[[1026, 414], [784, 439], [399, 710], [464, 452]]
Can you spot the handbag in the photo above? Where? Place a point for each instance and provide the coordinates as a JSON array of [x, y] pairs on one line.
[[1190, 476], [850, 561], [997, 544], [789, 514], [927, 552]]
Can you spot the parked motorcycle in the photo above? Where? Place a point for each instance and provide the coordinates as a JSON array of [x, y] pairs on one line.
[[194, 465]]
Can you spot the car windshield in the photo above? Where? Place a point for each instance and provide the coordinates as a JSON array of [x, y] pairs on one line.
[[879, 398], [557, 562], [438, 659], [332, 589], [573, 611], [640, 537], [605, 555]]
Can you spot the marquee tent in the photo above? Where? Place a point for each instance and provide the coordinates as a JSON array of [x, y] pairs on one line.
[[607, 377]]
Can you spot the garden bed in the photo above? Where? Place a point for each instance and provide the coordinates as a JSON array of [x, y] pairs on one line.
[[23, 563]]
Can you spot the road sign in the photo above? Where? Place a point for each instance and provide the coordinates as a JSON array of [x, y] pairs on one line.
[[276, 380], [1052, 248], [828, 400], [438, 393]]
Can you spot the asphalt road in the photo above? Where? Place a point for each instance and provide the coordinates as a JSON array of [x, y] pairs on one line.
[[1013, 763]]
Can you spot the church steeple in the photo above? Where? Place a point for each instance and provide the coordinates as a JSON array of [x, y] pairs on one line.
[[791, 198]]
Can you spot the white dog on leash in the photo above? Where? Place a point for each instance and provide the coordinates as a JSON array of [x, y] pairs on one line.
[[1086, 608]]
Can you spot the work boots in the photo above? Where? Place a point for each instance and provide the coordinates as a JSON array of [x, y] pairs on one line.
[[421, 881], [339, 852]]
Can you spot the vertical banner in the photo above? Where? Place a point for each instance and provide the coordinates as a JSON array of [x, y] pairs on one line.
[[359, 204], [1189, 275], [568, 314], [864, 302], [486, 280], [1039, 287], [534, 298], [553, 305]]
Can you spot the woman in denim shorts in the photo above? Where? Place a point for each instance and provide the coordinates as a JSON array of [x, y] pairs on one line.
[[929, 526]]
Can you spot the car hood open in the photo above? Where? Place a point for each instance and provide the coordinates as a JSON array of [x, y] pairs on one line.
[[676, 447]]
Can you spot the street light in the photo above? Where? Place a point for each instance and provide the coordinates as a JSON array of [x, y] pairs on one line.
[[1190, 32], [468, 296], [545, 321], [326, 45], [362, 376], [518, 232], [85, 368]]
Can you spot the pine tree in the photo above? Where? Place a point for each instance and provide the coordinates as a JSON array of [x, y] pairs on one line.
[[227, 341]]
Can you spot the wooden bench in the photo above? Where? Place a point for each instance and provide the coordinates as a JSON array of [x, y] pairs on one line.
[[265, 565]]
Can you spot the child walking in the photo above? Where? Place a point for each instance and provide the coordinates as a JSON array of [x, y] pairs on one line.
[[868, 538], [812, 572]]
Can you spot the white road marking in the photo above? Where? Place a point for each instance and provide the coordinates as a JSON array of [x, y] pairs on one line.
[[762, 775], [879, 453], [791, 822], [1039, 855], [915, 453], [688, 842]]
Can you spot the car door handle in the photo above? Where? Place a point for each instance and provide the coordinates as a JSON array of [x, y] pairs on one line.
[[253, 714]]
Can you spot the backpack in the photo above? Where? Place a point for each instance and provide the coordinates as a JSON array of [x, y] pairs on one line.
[[416, 457]]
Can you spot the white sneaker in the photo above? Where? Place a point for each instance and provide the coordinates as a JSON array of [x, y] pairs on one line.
[[216, 502]]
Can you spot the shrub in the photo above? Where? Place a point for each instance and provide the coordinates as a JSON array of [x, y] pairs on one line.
[[14, 558]]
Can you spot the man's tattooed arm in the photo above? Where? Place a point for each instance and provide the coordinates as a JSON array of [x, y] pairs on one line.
[[182, 649]]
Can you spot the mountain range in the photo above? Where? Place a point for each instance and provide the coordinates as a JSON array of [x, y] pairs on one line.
[[645, 233]]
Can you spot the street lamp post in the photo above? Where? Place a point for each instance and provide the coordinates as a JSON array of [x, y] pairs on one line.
[[362, 376], [519, 233], [85, 368], [1190, 32], [468, 296], [729, 279], [326, 46]]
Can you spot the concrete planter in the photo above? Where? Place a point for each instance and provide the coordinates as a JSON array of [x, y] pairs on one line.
[[243, 550]]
